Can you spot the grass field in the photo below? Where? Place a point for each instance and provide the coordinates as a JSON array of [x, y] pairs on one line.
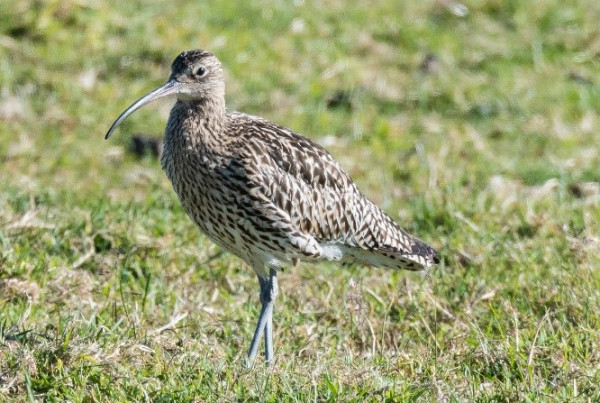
[[476, 127]]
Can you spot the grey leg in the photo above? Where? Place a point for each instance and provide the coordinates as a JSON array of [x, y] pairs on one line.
[[268, 291], [274, 290]]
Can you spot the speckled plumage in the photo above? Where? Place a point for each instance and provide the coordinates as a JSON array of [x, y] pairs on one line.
[[265, 193], [271, 196]]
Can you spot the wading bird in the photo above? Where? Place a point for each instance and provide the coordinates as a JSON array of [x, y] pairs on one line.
[[265, 193]]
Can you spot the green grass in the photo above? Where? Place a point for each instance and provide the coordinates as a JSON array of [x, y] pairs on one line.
[[490, 154]]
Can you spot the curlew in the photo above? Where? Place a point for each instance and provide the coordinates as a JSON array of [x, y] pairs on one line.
[[265, 193]]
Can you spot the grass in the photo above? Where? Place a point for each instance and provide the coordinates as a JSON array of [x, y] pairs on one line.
[[487, 149]]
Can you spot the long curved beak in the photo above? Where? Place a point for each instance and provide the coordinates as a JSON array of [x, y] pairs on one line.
[[170, 87]]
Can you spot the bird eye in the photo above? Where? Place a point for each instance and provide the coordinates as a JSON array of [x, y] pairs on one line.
[[200, 71]]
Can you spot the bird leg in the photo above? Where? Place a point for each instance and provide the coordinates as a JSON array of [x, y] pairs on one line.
[[268, 292], [273, 290]]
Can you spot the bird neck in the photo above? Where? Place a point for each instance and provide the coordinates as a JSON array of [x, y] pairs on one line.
[[202, 120], [213, 108]]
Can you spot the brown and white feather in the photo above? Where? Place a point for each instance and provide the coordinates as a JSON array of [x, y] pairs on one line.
[[271, 196]]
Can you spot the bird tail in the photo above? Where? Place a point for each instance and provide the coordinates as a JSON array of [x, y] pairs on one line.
[[393, 259], [380, 241]]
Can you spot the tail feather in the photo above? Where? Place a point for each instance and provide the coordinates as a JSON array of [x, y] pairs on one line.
[[394, 260], [380, 241]]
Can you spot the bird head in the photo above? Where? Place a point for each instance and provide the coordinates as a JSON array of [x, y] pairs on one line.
[[195, 75]]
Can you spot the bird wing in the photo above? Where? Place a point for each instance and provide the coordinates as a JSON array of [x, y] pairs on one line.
[[303, 186]]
